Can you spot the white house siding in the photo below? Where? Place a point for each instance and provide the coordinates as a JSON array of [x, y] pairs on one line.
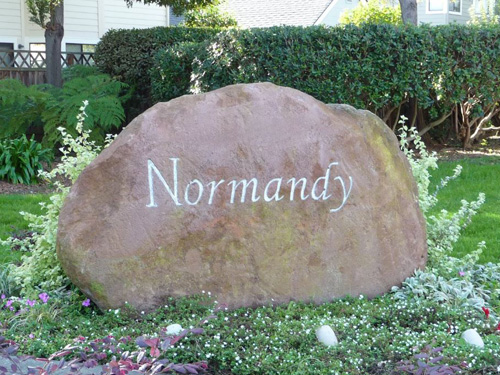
[[118, 16], [81, 21], [10, 21]]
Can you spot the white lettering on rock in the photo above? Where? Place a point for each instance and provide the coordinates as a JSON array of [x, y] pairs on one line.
[[276, 196], [294, 183], [272, 191], [325, 178], [200, 192], [245, 184], [212, 190], [152, 168]]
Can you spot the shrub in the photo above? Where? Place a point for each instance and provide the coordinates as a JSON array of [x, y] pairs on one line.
[[127, 56], [20, 107], [434, 75], [173, 77], [23, 109], [443, 230], [21, 159], [104, 112], [372, 11]]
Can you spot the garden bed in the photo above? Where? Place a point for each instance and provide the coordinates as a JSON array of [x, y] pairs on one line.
[[417, 326]]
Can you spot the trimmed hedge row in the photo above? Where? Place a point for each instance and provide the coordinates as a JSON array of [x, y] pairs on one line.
[[127, 55], [447, 74]]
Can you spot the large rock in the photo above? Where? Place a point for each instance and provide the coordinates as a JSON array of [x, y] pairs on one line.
[[253, 192]]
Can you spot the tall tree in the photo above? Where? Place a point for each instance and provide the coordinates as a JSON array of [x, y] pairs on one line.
[[178, 6], [49, 15], [409, 11]]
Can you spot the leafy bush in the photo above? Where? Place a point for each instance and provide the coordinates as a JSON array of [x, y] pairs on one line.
[[434, 75], [104, 112], [21, 159], [444, 230], [127, 55], [174, 81], [372, 11], [20, 107], [24, 108]]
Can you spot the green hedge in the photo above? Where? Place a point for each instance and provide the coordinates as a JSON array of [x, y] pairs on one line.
[[127, 55], [433, 75]]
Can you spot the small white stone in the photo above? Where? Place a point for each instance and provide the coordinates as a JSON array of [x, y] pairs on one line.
[[174, 329], [472, 337], [326, 336]]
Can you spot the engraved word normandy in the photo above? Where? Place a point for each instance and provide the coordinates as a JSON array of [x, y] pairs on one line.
[[272, 191]]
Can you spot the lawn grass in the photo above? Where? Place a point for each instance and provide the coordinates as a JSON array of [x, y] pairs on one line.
[[12, 221], [478, 175]]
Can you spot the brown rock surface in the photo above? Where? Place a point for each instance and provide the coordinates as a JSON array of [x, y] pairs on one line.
[[123, 236]]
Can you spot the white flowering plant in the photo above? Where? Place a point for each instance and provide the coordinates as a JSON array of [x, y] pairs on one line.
[[447, 279]]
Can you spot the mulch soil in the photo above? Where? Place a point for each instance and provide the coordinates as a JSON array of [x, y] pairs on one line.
[[8, 188], [491, 148]]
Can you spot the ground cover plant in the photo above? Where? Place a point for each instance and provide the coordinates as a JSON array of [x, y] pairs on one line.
[[416, 327]]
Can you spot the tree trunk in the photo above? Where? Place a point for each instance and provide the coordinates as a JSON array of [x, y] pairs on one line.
[[409, 11], [54, 33]]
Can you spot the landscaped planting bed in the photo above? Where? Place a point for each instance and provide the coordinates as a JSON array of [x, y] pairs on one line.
[[417, 327]]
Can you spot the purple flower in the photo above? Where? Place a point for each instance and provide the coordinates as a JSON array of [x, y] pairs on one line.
[[3, 296], [30, 303], [44, 297], [86, 303], [31, 336], [9, 302], [461, 273]]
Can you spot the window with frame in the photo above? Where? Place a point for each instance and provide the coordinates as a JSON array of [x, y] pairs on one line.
[[6, 55], [75, 53], [37, 55], [455, 6]]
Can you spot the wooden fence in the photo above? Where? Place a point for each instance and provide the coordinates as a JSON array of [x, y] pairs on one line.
[[30, 66]]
